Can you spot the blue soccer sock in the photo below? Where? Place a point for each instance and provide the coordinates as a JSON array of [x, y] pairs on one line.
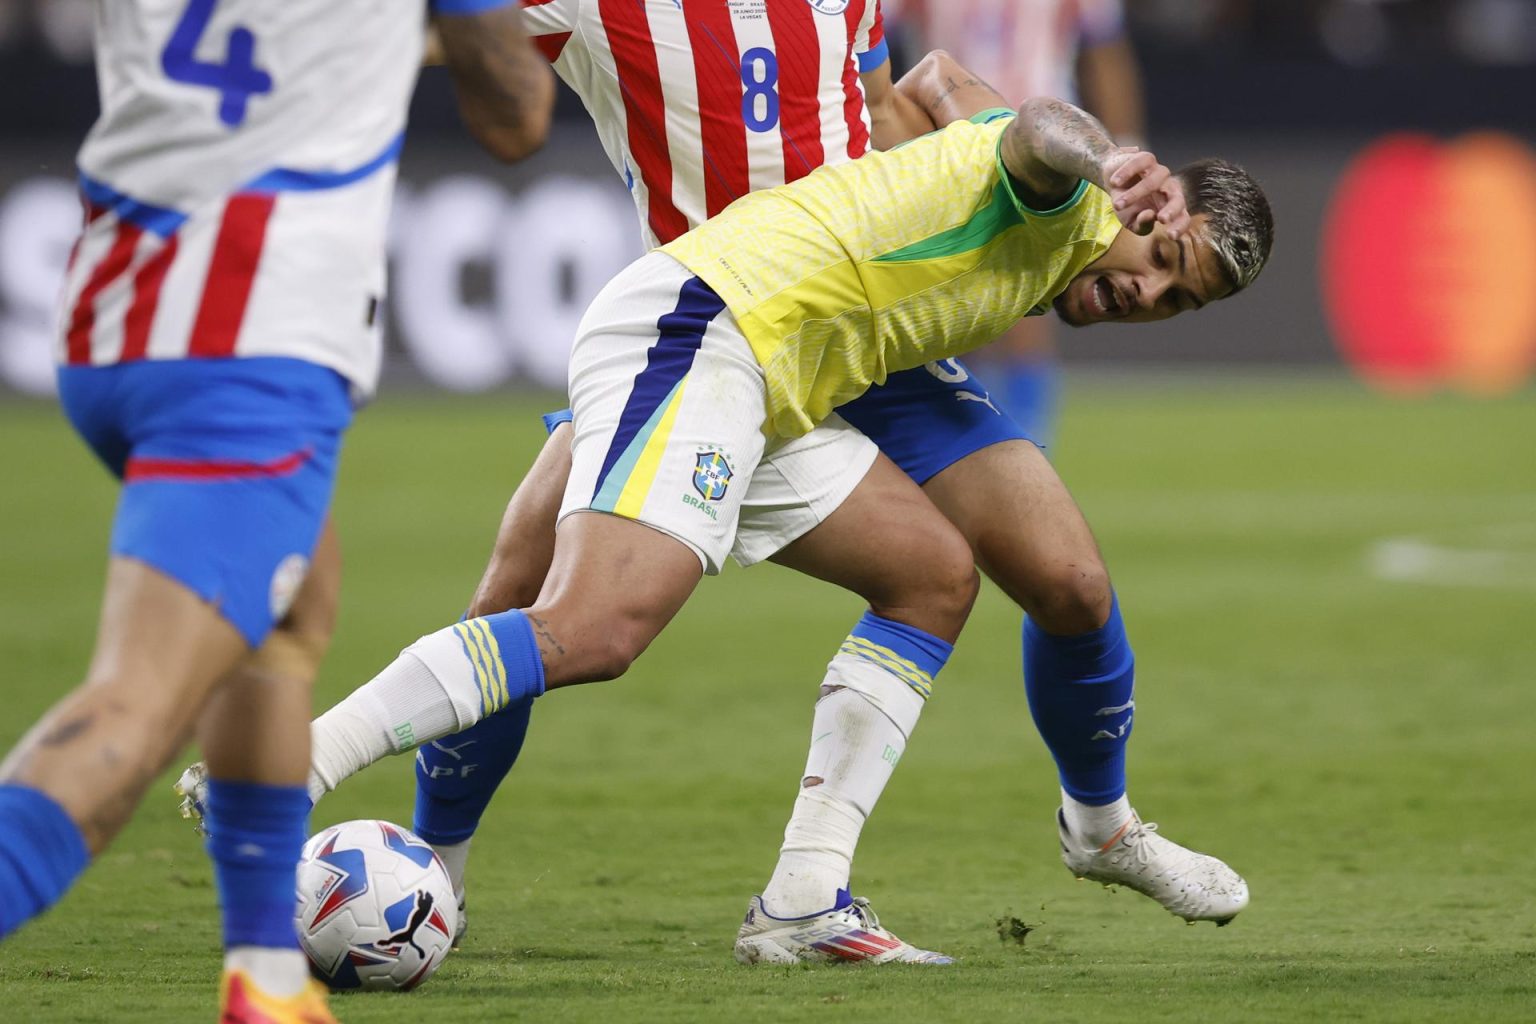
[[1029, 390], [41, 854], [1080, 695], [456, 776], [503, 658], [256, 833]]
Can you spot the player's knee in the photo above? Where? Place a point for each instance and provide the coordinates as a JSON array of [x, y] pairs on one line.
[[614, 649], [608, 659], [944, 583], [1071, 598], [940, 608], [960, 592]]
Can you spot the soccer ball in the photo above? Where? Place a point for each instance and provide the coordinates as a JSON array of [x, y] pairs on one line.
[[376, 909]]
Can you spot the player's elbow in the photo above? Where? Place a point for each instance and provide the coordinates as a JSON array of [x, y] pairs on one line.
[[1035, 105], [511, 143], [505, 90], [934, 61], [515, 131], [937, 71]]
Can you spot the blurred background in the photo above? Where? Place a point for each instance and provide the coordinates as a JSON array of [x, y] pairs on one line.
[[1318, 502], [1415, 117]]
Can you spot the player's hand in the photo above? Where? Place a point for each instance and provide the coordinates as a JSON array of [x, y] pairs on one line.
[[1145, 192]]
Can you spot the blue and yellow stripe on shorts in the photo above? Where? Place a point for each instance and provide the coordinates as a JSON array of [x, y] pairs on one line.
[[484, 655], [634, 456]]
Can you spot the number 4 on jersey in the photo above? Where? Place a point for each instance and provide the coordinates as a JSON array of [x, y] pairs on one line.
[[237, 79]]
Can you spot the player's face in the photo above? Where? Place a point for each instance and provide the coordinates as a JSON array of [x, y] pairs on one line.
[[1146, 277]]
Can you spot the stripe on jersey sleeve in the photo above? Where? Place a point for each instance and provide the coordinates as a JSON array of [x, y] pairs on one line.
[[543, 16], [467, 6], [551, 45], [549, 24], [853, 89], [875, 35], [634, 58], [868, 36], [717, 71], [871, 48], [873, 58], [798, 46]]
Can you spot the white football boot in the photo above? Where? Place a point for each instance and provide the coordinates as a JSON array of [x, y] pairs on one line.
[[850, 931], [463, 925], [1194, 886], [192, 787]]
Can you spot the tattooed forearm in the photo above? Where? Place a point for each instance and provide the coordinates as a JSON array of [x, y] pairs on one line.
[[952, 86], [943, 91], [1051, 144], [1070, 140]]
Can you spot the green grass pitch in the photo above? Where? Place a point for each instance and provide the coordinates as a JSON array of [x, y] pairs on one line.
[[1333, 601]]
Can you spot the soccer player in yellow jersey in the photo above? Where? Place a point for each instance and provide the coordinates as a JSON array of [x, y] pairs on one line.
[[704, 383]]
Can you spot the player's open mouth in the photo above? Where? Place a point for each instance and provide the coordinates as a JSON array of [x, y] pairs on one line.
[[1106, 299]]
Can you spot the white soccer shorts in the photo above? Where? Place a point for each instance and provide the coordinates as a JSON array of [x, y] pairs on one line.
[[669, 405]]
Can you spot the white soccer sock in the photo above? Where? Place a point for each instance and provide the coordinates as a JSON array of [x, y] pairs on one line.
[[1096, 826], [455, 857], [277, 972], [854, 748], [817, 854], [428, 692]]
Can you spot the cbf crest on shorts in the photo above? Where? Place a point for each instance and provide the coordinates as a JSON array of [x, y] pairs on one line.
[[711, 475]]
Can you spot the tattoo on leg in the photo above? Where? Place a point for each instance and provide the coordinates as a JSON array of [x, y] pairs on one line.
[[68, 730], [541, 630]]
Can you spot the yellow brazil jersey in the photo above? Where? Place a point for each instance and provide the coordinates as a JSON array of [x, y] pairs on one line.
[[888, 262]]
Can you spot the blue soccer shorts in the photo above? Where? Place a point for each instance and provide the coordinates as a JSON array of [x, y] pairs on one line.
[[227, 468], [924, 420]]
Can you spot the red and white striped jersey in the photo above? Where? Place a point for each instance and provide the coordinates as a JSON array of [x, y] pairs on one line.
[[1023, 48], [698, 102], [237, 183]]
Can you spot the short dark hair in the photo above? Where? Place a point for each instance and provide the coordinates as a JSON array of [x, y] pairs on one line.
[[1241, 226]]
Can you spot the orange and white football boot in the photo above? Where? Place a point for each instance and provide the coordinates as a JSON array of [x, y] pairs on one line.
[[242, 1002]]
